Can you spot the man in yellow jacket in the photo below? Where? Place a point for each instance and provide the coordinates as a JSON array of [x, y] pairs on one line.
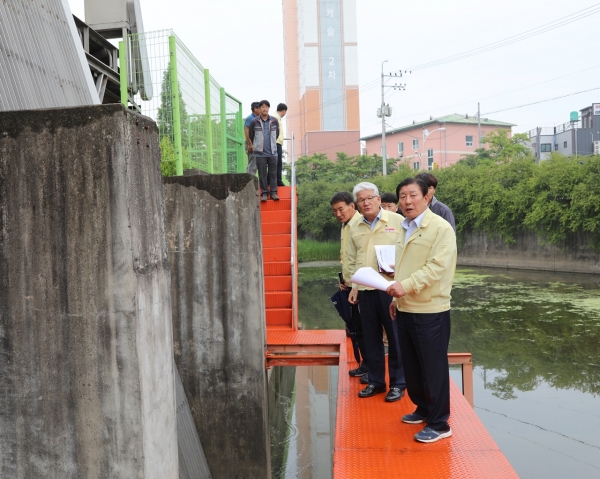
[[424, 272], [377, 227], [342, 205]]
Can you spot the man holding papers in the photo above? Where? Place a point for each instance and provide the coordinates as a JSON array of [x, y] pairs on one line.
[[377, 227], [425, 265]]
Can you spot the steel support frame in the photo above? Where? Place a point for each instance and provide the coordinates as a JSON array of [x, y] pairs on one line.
[[175, 105], [241, 156], [123, 73], [209, 137], [329, 355], [466, 362], [238, 137], [223, 112]]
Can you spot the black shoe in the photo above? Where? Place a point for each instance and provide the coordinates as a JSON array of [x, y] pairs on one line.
[[395, 394], [359, 371], [371, 390], [263, 197], [364, 379], [274, 196], [280, 183]]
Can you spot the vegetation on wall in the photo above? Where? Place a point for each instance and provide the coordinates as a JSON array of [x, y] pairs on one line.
[[499, 190]]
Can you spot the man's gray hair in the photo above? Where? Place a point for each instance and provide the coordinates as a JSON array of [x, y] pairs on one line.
[[364, 186]]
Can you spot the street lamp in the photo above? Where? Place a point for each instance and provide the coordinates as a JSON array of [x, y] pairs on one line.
[[426, 134]]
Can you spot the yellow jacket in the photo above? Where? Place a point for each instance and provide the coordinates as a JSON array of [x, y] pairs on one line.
[[281, 134], [361, 245], [425, 266], [345, 236]]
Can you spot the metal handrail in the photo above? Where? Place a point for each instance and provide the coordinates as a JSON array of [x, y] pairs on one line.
[[466, 362], [294, 240]]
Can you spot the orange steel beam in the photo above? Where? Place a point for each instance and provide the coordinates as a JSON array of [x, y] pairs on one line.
[[299, 359], [466, 362], [304, 348], [316, 355]]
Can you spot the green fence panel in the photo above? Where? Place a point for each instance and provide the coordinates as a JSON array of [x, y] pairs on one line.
[[200, 124]]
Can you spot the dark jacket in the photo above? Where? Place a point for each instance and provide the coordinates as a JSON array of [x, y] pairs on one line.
[[442, 210], [257, 135]]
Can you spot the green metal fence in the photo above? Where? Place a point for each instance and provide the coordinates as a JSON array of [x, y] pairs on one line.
[[200, 124]]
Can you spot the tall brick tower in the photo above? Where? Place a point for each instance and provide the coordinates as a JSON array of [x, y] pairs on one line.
[[321, 76]]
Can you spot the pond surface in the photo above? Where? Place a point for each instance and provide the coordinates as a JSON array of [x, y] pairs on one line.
[[535, 340]]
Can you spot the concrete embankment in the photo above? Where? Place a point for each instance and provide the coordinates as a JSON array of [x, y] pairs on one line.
[[528, 252], [214, 241], [574, 255], [86, 369]]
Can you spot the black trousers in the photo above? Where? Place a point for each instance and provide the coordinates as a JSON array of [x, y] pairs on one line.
[[279, 162], [375, 317], [358, 333], [267, 173], [424, 344]]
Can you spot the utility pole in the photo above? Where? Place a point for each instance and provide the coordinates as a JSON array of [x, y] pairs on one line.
[[385, 110], [383, 115], [478, 126]]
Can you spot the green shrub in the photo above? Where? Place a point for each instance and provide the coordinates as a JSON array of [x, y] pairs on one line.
[[498, 191]]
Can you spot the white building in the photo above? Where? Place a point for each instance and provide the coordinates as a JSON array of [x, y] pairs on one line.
[[580, 137]]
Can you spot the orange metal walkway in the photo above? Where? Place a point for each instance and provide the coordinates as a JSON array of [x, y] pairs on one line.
[[371, 442], [370, 439]]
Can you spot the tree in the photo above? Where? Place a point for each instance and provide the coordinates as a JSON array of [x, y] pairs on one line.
[[501, 149]]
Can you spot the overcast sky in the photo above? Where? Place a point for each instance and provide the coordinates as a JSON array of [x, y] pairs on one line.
[[241, 43]]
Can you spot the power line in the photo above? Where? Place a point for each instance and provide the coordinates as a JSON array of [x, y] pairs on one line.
[[573, 17], [542, 101], [488, 97]]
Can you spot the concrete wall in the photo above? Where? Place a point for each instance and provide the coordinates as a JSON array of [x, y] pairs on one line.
[[529, 252], [215, 252], [86, 370]]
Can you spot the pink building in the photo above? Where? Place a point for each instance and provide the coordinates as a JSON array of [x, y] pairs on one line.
[[435, 143]]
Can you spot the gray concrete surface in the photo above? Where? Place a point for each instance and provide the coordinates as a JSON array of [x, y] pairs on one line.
[[529, 252], [192, 461], [86, 369], [214, 242]]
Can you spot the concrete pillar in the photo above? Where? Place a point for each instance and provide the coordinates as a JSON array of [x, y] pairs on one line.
[[215, 252], [86, 369]]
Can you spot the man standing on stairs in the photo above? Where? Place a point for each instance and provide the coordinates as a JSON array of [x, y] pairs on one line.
[[344, 211], [377, 227], [281, 112], [263, 133], [251, 160]]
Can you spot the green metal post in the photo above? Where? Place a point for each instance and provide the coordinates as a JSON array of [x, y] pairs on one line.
[[123, 73], [239, 133], [225, 166], [175, 105], [209, 138]]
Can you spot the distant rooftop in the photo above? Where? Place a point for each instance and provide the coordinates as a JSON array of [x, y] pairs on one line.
[[453, 118]]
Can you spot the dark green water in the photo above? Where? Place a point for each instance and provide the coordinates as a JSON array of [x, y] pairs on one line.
[[535, 340]]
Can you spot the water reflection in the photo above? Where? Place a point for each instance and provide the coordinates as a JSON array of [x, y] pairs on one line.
[[302, 418], [535, 340]]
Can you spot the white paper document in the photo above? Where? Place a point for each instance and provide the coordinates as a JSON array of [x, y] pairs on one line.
[[371, 279], [386, 257]]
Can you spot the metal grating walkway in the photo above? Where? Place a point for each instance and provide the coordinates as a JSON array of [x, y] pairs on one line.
[[370, 439]]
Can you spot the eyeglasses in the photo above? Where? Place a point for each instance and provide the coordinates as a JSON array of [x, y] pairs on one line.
[[368, 198]]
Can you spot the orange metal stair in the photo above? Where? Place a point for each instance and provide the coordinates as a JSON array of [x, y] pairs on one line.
[[276, 217]]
